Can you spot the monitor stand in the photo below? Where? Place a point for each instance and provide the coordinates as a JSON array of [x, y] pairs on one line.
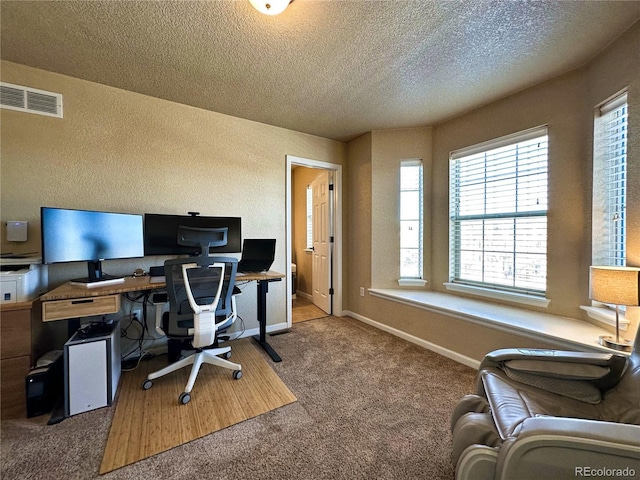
[[96, 278]]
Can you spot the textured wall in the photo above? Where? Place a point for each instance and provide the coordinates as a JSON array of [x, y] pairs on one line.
[[359, 214], [566, 104], [116, 150], [561, 105], [120, 151], [617, 68], [389, 148]]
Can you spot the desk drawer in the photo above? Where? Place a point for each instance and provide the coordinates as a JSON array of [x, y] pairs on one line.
[[80, 307]]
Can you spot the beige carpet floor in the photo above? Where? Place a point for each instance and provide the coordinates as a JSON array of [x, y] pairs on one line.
[[369, 406]]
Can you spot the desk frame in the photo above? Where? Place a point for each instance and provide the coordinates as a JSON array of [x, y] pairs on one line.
[[263, 289], [138, 284]]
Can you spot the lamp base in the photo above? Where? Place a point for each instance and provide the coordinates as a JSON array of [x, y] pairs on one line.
[[611, 342]]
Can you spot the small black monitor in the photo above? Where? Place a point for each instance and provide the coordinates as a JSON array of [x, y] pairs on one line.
[[161, 233], [89, 236]]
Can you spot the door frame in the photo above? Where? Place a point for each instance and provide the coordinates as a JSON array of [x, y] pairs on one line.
[[336, 204]]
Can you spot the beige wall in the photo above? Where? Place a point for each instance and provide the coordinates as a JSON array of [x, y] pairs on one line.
[[389, 148], [120, 151], [617, 68], [358, 216], [561, 105], [116, 150], [566, 104]]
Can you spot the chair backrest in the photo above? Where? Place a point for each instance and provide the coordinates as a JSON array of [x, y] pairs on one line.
[[203, 281], [621, 403], [180, 313]]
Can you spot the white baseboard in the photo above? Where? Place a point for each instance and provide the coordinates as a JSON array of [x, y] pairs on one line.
[[468, 361], [304, 295]]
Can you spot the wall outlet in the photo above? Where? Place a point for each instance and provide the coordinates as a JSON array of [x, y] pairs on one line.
[[136, 313], [362, 291]]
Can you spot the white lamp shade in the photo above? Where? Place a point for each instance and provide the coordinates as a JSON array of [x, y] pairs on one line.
[[270, 7], [615, 285]]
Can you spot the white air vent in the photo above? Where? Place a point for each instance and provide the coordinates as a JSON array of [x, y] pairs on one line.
[[25, 99]]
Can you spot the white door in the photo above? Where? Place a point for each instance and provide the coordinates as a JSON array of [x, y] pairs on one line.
[[321, 274]]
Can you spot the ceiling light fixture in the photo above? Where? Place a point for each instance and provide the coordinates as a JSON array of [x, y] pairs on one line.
[[270, 7]]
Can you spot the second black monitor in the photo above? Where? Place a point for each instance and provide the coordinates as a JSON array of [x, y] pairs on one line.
[[161, 233]]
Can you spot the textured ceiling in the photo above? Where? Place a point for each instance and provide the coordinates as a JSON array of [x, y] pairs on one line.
[[334, 68]]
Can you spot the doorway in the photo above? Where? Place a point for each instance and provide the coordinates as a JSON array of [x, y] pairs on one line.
[[322, 253], [303, 309]]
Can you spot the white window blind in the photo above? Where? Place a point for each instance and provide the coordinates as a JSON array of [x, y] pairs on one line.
[[411, 218], [610, 183], [498, 213]]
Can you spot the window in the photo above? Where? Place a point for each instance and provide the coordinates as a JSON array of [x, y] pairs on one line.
[[411, 224], [498, 214], [610, 182]]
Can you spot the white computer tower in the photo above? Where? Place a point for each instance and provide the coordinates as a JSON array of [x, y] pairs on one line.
[[92, 370]]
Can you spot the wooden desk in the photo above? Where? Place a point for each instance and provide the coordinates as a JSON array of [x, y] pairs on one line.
[[73, 301]]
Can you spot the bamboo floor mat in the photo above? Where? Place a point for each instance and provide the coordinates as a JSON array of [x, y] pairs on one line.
[[147, 422]]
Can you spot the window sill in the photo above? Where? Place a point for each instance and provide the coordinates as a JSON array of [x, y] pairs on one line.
[[520, 298], [606, 315], [412, 282], [567, 333]]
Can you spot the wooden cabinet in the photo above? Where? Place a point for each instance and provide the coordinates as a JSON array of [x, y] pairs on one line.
[[15, 357]]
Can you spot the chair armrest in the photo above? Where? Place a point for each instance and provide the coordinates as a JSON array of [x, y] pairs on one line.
[[559, 448], [603, 369], [579, 428], [591, 358]]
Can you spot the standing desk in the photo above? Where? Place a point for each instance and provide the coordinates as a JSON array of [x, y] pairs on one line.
[[71, 301]]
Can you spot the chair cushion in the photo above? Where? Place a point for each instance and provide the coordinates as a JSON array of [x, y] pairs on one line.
[[512, 402], [567, 370], [568, 379]]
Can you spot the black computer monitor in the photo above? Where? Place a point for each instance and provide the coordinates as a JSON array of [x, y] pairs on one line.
[[161, 233]]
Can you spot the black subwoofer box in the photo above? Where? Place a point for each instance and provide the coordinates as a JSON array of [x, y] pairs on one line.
[[44, 387]]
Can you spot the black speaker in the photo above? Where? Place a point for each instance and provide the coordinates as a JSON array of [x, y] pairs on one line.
[[44, 384]]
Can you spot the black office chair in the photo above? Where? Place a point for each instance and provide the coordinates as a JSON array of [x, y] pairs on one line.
[[200, 291]]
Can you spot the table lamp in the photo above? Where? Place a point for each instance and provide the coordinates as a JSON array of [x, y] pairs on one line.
[[617, 286]]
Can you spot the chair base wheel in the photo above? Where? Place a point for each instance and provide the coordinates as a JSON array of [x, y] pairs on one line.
[[184, 398], [237, 374], [147, 384]]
